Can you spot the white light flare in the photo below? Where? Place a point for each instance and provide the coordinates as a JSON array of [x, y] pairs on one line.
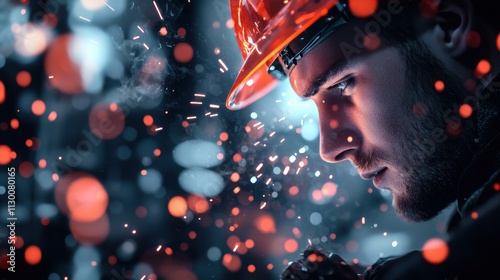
[[85, 19], [158, 10], [107, 5], [286, 170], [259, 166], [223, 64]]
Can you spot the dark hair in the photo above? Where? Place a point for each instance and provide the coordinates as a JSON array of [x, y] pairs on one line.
[[488, 10], [401, 26]]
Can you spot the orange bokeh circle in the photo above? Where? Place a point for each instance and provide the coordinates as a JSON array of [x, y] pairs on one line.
[[254, 129], [435, 251], [106, 122], [177, 206], [363, 8], [183, 52], [65, 74], [90, 233], [33, 255], [86, 199]]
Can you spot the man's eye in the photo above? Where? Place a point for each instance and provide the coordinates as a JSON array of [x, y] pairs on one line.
[[341, 87]]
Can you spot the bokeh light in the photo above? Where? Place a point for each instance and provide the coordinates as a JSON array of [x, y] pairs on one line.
[[483, 67], [61, 189], [198, 204], [38, 107], [33, 255], [2, 92], [26, 169], [23, 78], [435, 251], [31, 40], [90, 49], [177, 206], [465, 111], [498, 41], [329, 189], [231, 262], [90, 233], [363, 8], [309, 130], [65, 74], [214, 254], [197, 153], [106, 123], [5, 154], [87, 200], [151, 182], [201, 181], [265, 224], [439, 86], [291, 245], [254, 129], [92, 5], [183, 52]]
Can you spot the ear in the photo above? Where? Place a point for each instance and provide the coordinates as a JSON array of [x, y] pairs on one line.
[[453, 22]]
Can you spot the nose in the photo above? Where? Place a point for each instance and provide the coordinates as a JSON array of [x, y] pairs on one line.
[[339, 138]]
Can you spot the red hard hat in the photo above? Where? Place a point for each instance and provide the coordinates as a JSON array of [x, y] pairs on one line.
[[263, 28]]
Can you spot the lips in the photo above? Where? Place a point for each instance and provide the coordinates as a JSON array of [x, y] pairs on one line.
[[369, 175], [378, 177]]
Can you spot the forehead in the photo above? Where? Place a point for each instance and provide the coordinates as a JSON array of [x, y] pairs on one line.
[[343, 48]]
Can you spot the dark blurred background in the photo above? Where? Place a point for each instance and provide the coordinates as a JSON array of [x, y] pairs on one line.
[[129, 166]]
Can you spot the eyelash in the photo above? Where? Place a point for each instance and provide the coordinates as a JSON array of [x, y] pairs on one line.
[[342, 86]]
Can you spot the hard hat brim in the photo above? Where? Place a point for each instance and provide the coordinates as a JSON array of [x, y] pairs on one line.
[[253, 82]]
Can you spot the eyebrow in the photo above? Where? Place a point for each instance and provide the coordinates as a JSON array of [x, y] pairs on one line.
[[332, 71]]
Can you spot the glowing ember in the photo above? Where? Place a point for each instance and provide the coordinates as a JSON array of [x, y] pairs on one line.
[[435, 251], [362, 8]]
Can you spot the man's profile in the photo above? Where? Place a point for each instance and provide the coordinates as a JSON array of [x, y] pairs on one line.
[[409, 92]]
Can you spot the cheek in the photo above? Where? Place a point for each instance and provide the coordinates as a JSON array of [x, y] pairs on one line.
[[381, 110]]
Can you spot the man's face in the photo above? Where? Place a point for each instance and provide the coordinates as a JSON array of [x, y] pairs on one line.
[[389, 120]]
